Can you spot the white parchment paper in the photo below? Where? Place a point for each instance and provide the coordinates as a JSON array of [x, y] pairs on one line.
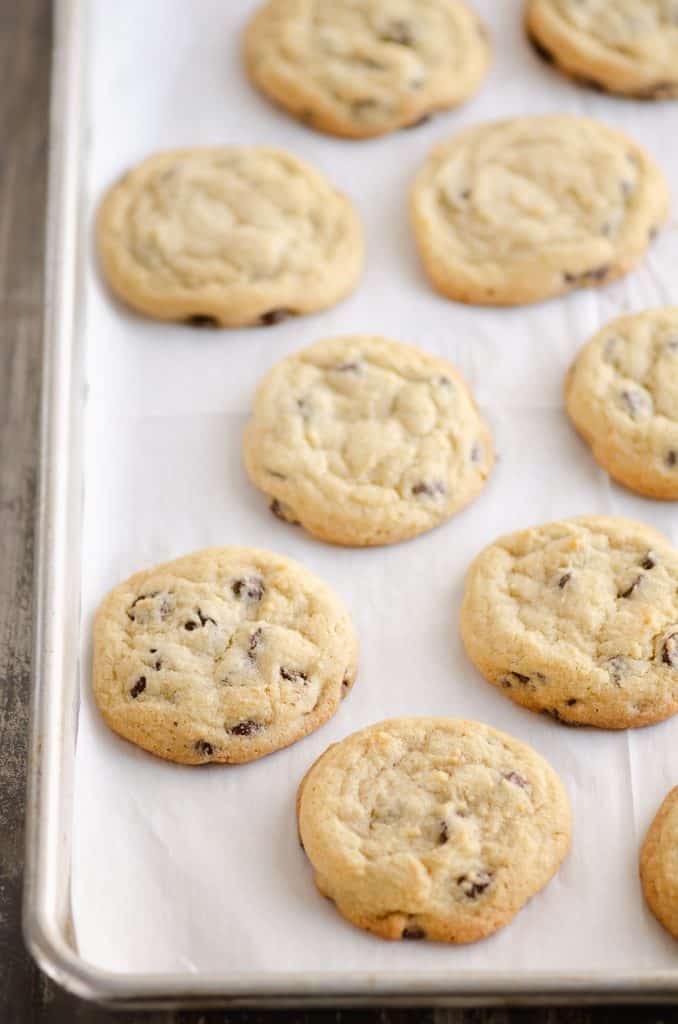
[[199, 869]]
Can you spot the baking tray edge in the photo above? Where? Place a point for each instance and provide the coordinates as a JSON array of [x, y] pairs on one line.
[[46, 914]]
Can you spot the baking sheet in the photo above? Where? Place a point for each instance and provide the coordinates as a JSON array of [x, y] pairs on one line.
[[178, 869]]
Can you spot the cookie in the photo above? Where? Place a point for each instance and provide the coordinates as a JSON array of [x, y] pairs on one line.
[[659, 864], [522, 210], [366, 441], [622, 396], [224, 655], [360, 69], [628, 47], [432, 828], [229, 237], [579, 619]]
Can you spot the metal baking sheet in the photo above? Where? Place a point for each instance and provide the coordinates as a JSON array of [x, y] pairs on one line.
[[149, 883]]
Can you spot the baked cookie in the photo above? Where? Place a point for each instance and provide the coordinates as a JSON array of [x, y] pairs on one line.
[[578, 618], [623, 46], [622, 396], [360, 68], [659, 864], [230, 237], [432, 828], [223, 655], [521, 210], [366, 441]]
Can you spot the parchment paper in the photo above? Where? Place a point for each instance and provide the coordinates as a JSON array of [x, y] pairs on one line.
[[199, 869]]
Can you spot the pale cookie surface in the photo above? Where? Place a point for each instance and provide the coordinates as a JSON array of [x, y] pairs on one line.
[[622, 46], [366, 441], [579, 619], [223, 655], [360, 68], [522, 210], [659, 864], [622, 395], [232, 236], [432, 828]]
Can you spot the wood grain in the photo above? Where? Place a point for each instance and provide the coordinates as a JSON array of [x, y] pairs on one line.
[[26, 997]]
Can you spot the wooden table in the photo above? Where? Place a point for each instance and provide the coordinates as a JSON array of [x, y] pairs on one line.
[[26, 996]]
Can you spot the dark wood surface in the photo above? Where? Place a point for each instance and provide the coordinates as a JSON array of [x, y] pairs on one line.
[[26, 996]]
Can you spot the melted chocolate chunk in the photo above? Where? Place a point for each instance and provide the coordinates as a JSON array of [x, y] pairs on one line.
[[516, 779], [398, 31], [588, 276], [274, 316], [280, 511], [413, 931], [202, 320], [633, 586], [293, 675], [204, 619], [617, 668], [430, 490], [564, 579], [670, 650], [472, 887], [138, 687], [251, 588], [203, 747], [246, 728], [255, 640]]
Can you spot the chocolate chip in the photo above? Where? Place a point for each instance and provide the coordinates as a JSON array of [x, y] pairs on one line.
[[353, 367], [282, 512], [564, 579], [190, 626], [274, 316], [245, 728], [430, 490], [571, 701], [346, 683], [670, 650], [617, 667], [413, 931], [672, 458], [637, 403], [251, 587], [138, 687], [420, 120], [465, 193], [398, 31], [293, 675], [649, 561], [203, 747], [520, 678], [135, 602], [597, 274], [164, 608], [516, 779], [204, 619], [202, 320], [633, 586], [540, 49], [254, 643], [472, 887], [158, 665], [443, 834], [153, 650]]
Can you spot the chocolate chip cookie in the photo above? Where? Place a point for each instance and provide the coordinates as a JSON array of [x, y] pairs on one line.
[[224, 655], [359, 69], [366, 441], [232, 237], [578, 619], [628, 47], [659, 864], [521, 210], [432, 828], [622, 396]]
